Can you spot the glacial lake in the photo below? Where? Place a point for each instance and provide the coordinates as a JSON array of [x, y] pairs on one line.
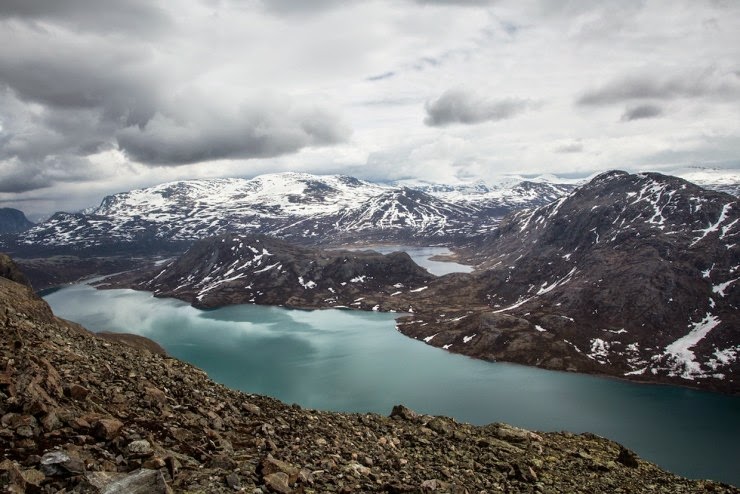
[[356, 361]]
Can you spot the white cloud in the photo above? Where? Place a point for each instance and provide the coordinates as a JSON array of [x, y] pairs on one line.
[[97, 100]]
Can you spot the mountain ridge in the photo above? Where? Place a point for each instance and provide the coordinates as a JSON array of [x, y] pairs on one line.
[[309, 209]]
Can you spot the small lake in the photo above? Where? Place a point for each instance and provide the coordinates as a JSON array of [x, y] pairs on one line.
[[422, 256], [356, 361]]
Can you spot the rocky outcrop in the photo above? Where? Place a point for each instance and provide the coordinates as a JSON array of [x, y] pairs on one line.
[[237, 269], [82, 414]]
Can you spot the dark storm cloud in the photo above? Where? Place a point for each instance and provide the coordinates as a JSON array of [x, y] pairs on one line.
[[641, 111], [68, 96], [266, 129], [15, 177], [82, 80], [708, 83], [22, 176], [131, 16], [457, 106]]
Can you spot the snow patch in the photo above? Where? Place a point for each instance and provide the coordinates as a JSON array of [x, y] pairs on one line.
[[599, 350], [680, 350], [307, 284], [720, 289]]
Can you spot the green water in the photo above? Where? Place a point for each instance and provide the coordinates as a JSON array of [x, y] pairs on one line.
[[357, 361]]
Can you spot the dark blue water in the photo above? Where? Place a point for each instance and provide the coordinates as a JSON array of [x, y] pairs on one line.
[[357, 361]]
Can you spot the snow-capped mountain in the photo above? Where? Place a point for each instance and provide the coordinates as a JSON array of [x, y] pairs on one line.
[[497, 199], [632, 275], [305, 208]]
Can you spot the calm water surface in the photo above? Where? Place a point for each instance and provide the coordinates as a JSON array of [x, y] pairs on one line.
[[421, 256], [357, 361]]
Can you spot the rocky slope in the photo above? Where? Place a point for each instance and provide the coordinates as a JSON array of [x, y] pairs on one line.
[[234, 269], [83, 414], [306, 209], [636, 273], [13, 221]]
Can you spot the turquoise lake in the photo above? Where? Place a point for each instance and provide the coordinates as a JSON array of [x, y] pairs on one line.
[[357, 361]]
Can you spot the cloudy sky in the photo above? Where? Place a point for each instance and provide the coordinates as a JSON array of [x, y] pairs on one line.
[[101, 96]]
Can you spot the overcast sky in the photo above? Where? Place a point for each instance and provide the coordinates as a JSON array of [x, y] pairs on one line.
[[101, 96]]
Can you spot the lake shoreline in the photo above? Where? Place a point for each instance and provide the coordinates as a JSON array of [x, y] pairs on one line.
[[602, 405]]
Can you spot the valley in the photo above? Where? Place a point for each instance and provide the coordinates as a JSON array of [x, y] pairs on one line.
[[621, 277], [626, 276]]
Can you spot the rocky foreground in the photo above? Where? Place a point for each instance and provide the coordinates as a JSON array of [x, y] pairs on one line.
[[79, 413]]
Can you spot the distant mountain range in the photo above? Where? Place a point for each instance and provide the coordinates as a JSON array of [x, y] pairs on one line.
[[307, 209], [13, 221]]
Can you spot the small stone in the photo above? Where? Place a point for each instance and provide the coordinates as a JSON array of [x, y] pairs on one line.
[[77, 392], [140, 448], [155, 395], [222, 462], [60, 463], [358, 469], [403, 412], [232, 480], [278, 482], [51, 422], [154, 463], [107, 429], [24, 431], [431, 485], [141, 481], [271, 465], [627, 458], [251, 408], [306, 476], [511, 434], [33, 476], [438, 425]]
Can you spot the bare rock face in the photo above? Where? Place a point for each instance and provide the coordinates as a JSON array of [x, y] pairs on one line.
[[149, 423]]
